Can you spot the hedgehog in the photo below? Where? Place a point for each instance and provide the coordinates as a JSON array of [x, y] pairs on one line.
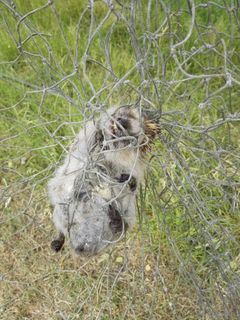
[[94, 191]]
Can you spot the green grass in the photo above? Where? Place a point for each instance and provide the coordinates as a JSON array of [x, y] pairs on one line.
[[184, 251]]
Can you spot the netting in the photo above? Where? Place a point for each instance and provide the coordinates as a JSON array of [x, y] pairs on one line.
[[63, 64]]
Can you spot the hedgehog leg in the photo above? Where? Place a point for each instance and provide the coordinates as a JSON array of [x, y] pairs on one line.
[[116, 222], [132, 182], [57, 244]]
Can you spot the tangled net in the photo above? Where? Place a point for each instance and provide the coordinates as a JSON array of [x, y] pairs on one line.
[[62, 65]]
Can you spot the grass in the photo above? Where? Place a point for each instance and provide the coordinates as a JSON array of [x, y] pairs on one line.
[[38, 284], [182, 259]]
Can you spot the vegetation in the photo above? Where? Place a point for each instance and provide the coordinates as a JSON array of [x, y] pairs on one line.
[[61, 63]]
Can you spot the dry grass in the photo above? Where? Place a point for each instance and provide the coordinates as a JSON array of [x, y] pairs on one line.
[[136, 280]]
